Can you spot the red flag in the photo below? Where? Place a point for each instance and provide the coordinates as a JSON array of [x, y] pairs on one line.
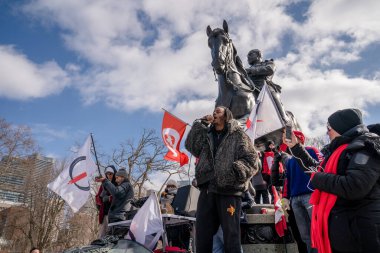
[[172, 133], [279, 217]]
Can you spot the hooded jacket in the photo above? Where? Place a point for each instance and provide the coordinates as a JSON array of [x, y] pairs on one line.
[[234, 163], [103, 198], [121, 196], [357, 186]]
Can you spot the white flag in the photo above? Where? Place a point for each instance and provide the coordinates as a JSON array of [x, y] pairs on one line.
[[264, 117], [147, 227], [73, 182]]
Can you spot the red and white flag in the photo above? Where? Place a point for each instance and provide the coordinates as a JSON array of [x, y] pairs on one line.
[[73, 182], [172, 133], [279, 216], [264, 117]]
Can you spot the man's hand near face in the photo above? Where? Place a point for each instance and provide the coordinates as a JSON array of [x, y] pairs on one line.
[[208, 118]]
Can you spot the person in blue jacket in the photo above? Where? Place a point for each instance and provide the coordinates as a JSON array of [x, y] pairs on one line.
[[297, 189]]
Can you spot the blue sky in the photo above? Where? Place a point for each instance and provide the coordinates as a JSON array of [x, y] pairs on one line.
[[68, 68]]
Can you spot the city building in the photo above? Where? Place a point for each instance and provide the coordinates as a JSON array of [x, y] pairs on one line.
[[16, 173], [17, 176]]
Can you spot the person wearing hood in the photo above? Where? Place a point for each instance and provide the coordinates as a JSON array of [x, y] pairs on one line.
[[168, 195], [178, 235], [227, 161], [103, 200], [346, 200], [122, 194]]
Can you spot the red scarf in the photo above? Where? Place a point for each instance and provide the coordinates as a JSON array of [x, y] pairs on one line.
[[100, 204], [322, 203]]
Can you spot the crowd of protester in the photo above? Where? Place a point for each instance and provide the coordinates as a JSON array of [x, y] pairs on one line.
[[332, 196]]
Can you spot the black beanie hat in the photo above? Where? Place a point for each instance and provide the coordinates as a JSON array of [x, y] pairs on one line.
[[268, 143], [343, 120], [121, 173]]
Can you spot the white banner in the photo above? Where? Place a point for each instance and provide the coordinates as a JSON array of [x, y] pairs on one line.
[[264, 117], [146, 227], [73, 182]]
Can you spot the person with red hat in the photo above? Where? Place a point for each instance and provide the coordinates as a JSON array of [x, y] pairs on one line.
[[346, 199], [297, 191]]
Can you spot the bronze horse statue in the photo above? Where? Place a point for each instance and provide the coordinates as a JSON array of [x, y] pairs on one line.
[[235, 89]]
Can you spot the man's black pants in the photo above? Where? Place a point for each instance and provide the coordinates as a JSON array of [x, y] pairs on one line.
[[214, 210]]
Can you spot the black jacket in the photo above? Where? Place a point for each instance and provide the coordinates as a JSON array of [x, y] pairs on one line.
[[354, 221], [234, 163], [122, 195]]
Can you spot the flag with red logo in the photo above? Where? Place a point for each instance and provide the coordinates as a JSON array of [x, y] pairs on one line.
[[73, 183], [172, 133], [279, 216]]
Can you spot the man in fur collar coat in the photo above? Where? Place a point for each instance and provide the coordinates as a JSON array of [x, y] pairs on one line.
[[227, 161]]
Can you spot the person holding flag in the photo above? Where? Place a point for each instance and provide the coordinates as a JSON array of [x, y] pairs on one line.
[[227, 161], [122, 195]]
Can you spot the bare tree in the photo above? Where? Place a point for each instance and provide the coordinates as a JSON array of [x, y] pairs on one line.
[[143, 158], [15, 141], [42, 220], [318, 142], [37, 219], [78, 231]]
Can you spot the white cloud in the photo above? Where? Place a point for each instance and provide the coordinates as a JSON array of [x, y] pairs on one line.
[[50, 134], [128, 75], [338, 31], [23, 79]]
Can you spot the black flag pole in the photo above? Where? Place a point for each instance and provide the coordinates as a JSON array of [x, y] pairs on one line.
[[96, 156]]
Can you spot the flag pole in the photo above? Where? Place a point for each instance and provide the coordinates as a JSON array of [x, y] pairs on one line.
[[176, 117], [96, 156]]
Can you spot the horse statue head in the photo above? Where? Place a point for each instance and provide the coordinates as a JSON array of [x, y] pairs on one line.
[[235, 89]]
